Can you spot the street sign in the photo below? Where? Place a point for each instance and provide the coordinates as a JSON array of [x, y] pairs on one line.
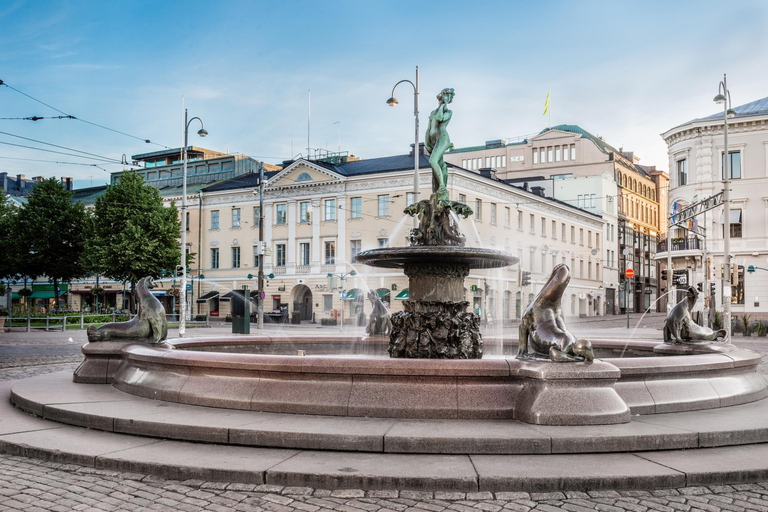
[[680, 278], [343, 294], [629, 273], [263, 294]]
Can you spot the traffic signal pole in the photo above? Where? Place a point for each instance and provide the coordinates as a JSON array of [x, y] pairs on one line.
[[260, 298]]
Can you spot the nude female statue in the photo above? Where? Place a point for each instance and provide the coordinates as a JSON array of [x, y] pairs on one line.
[[437, 142]]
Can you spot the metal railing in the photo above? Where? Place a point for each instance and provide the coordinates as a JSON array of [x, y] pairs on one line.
[[75, 320], [681, 244]]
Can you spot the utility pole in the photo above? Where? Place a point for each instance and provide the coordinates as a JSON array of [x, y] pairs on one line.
[[260, 300]]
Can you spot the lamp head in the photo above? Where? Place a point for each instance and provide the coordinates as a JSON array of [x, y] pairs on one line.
[[730, 112], [720, 98], [203, 132], [329, 275], [392, 101], [353, 273]]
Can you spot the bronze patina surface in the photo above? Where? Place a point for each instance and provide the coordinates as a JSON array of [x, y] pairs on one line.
[[679, 327]]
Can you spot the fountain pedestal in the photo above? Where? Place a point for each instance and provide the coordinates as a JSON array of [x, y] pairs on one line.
[[435, 322]]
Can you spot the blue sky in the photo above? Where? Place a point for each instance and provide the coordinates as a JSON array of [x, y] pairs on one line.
[[626, 71]]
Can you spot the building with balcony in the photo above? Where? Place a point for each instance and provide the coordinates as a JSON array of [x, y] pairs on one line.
[[319, 214], [696, 161], [571, 165]]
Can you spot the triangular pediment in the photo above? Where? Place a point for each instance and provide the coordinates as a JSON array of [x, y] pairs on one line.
[[555, 134], [303, 173]]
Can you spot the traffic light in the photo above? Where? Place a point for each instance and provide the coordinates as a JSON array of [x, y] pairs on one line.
[[526, 278], [179, 270], [664, 275], [700, 287]]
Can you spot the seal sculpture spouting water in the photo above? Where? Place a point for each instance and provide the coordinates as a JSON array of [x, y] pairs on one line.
[[543, 334], [679, 327], [379, 323], [149, 325]]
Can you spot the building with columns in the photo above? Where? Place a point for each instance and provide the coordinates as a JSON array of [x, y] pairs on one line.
[[696, 161], [319, 214], [569, 164]]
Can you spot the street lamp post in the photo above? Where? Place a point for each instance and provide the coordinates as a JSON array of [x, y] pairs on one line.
[[724, 97], [183, 307], [342, 277], [392, 101]]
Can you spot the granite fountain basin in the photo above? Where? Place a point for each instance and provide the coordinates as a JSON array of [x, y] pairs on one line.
[[264, 374]]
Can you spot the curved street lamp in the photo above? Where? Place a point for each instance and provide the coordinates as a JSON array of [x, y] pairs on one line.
[[392, 101], [342, 277], [724, 97], [202, 132]]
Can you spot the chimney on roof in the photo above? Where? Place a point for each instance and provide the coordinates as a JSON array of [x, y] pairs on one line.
[[37, 179], [20, 181], [539, 191], [4, 181], [422, 149], [488, 172], [67, 182]]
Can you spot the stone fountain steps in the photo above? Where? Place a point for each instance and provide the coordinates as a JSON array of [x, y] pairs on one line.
[[102, 407], [26, 435]]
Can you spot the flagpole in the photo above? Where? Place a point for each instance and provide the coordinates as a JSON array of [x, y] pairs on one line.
[[549, 110]]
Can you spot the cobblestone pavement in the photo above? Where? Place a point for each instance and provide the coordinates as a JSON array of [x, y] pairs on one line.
[[32, 485]]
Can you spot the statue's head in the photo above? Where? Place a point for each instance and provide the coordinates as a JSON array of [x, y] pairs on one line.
[[692, 295], [446, 95]]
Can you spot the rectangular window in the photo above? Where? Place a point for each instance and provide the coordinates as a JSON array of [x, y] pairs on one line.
[[235, 257], [557, 154], [410, 198], [330, 253], [535, 156], [554, 229], [562, 232], [542, 154], [549, 154], [498, 161], [304, 253], [589, 239], [581, 236], [383, 243], [493, 213], [304, 212], [187, 222], [573, 235], [735, 164], [215, 258], [543, 226], [327, 302], [682, 172], [488, 162], [281, 213], [736, 223], [463, 198], [573, 152], [503, 160], [464, 163], [215, 219], [597, 240], [329, 210], [255, 256], [356, 208], [479, 209], [581, 268], [507, 215], [531, 225], [589, 270], [580, 201], [256, 216], [279, 255], [355, 246], [520, 220], [384, 205], [565, 153], [235, 217], [593, 200]]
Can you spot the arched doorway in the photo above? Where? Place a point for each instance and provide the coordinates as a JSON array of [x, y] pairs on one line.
[[302, 301]]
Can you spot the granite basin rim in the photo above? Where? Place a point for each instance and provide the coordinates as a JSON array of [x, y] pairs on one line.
[[474, 257]]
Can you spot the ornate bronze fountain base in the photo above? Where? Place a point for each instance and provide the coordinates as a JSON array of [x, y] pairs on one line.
[[435, 330]]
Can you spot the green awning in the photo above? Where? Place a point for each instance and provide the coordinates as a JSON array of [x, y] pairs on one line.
[[352, 294], [382, 292], [44, 295], [403, 295]]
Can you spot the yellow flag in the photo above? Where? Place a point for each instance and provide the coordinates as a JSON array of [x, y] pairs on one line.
[[546, 105]]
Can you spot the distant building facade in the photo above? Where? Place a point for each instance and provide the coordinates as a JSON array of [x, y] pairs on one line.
[[569, 164]]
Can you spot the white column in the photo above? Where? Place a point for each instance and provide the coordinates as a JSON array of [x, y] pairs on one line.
[[316, 216], [291, 261], [341, 234], [268, 207]]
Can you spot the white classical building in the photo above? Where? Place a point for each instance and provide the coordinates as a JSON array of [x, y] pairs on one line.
[[696, 158]]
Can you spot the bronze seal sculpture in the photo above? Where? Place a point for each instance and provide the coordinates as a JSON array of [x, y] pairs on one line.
[[679, 327], [378, 323], [149, 325], [543, 334]]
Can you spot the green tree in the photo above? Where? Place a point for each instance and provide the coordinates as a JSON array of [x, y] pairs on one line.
[[134, 235], [50, 234], [7, 246]]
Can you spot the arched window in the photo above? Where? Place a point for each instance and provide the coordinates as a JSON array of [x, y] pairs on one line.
[[619, 177], [304, 177]]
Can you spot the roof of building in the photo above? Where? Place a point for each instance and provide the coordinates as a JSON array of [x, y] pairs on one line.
[[755, 108], [176, 151], [573, 128], [250, 180]]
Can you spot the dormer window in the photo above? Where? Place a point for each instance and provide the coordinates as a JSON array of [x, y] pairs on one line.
[[304, 177]]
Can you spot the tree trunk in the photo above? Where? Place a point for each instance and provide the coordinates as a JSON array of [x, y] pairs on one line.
[[133, 298], [56, 293]]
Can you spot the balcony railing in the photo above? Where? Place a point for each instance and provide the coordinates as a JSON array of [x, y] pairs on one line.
[[328, 269], [303, 269], [278, 270], [681, 244]]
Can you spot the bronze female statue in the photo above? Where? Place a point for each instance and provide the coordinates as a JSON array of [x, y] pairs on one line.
[[437, 142]]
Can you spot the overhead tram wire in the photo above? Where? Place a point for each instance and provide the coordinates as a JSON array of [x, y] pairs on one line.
[[69, 116], [57, 162], [105, 160], [60, 147]]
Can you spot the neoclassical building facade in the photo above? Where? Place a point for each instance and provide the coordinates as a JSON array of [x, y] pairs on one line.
[[696, 163]]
